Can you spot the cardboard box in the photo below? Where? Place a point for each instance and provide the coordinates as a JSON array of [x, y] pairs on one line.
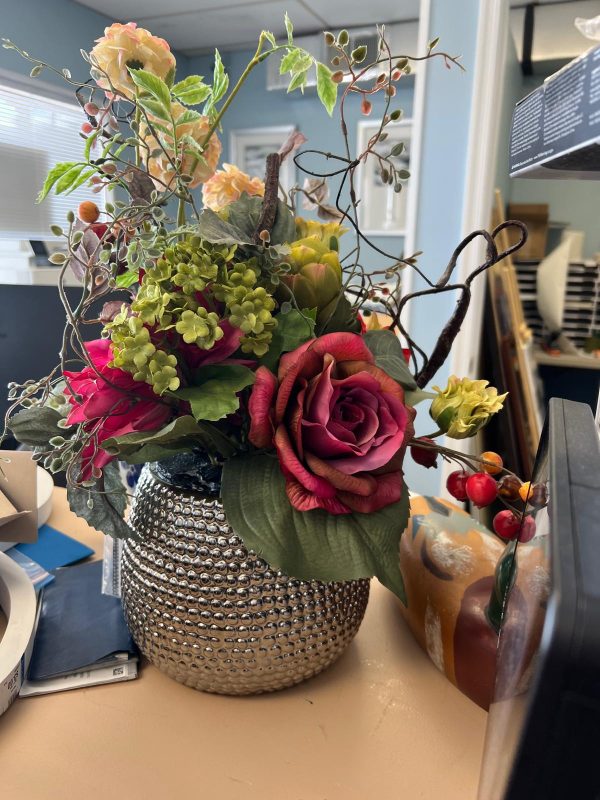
[[556, 129], [535, 216]]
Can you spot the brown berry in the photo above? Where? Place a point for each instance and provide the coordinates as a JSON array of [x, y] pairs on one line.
[[508, 487]]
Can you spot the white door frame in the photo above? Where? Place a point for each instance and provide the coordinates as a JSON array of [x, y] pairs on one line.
[[482, 153]]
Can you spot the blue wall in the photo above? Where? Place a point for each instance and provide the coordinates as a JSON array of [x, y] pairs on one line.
[[53, 31]]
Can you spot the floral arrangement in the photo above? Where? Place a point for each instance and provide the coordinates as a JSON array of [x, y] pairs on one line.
[[239, 330]]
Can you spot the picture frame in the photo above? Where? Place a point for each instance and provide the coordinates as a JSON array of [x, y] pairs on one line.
[[249, 147], [382, 211]]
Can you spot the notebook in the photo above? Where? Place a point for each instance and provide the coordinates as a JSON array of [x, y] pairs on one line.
[[81, 635]]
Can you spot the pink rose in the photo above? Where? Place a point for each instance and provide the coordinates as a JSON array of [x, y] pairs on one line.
[[106, 409], [339, 425]]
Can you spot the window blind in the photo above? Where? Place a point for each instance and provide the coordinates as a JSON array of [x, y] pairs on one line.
[[35, 133]]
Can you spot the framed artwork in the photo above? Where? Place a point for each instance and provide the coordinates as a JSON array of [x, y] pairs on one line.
[[249, 147], [382, 211]]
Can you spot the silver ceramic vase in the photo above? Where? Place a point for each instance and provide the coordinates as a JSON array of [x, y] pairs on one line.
[[213, 615]]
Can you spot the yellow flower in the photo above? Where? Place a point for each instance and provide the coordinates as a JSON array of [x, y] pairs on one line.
[[376, 321], [124, 46], [316, 273], [228, 185], [465, 406], [323, 230], [199, 169]]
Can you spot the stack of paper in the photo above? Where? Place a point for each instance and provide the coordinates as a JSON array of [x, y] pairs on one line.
[[82, 638]]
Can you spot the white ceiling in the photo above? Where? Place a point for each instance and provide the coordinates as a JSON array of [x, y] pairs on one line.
[[193, 26]]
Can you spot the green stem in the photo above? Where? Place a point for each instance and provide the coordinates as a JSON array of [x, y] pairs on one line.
[[181, 212], [138, 159]]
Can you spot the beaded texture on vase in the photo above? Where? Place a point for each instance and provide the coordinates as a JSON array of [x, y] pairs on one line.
[[213, 615]]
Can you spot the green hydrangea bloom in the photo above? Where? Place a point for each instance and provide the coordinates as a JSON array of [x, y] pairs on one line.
[[200, 328], [162, 372]]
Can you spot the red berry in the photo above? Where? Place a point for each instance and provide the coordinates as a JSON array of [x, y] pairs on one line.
[[424, 456], [506, 524], [99, 228], [527, 529], [481, 489], [456, 484], [86, 128]]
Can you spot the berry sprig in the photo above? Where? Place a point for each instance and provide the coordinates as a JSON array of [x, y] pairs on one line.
[[476, 481]]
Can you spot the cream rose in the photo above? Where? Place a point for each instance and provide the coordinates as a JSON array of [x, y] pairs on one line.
[[227, 185], [124, 46]]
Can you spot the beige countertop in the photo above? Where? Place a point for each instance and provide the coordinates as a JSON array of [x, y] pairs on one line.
[[382, 723]]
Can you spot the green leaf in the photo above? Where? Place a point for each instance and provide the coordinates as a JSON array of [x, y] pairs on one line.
[[326, 87], [387, 350], [152, 84], [216, 230], [57, 171], [187, 116], [293, 329], [191, 91], [245, 213], [35, 426], [311, 545], [83, 177], [295, 61], [90, 141], [297, 82], [270, 38], [108, 499], [155, 108], [182, 434], [68, 179], [289, 28], [215, 393], [413, 397], [343, 319], [220, 79], [127, 279]]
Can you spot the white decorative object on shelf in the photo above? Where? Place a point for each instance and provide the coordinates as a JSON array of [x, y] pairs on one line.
[[382, 211], [249, 148]]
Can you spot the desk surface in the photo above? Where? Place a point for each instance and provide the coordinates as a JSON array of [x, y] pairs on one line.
[[382, 723]]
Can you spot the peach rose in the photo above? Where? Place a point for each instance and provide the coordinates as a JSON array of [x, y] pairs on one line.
[[227, 185], [124, 46], [200, 170]]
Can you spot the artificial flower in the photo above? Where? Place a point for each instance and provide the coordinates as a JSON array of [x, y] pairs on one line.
[[124, 46], [465, 406], [198, 167], [109, 402], [316, 273], [227, 185], [338, 423]]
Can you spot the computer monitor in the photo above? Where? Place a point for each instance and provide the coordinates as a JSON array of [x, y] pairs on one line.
[[543, 733]]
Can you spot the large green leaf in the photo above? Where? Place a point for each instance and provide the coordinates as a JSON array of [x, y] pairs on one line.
[[215, 393], [245, 213], [312, 544], [293, 329], [151, 83], [35, 426], [57, 171], [107, 500], [181, 434], [191, 91], [216, 230], [220, 79], [326, 87], [387, 350]]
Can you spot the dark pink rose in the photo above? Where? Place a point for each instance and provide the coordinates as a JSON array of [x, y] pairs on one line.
[[108, 404], [220, 352], [339, 425]]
